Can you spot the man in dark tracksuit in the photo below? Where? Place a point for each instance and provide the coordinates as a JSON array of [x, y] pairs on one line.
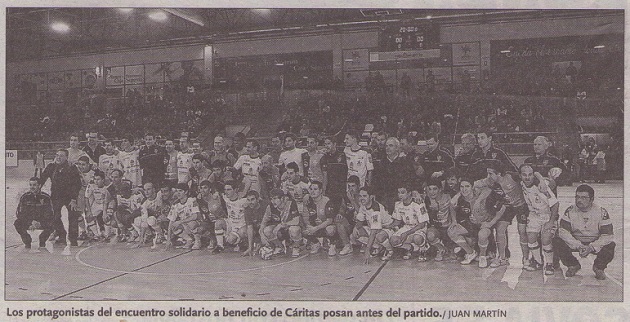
[[64, 189], [34, 205]]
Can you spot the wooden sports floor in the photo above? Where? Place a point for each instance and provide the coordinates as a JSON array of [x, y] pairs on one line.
[[116, 272]]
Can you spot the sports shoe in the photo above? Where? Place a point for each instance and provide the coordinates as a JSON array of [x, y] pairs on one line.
[[237, 248], [439, 256], [468, 258], [362, 249], [533, 266], [82, 236], [196, 245], [346, 250], [571, 270], [422, 257], [526, 262], [407, 255], [295, 252], [599, 273], [376, 251], [549, 269], [188, 244], [315, 248], [388, 255], [483, 261], [332, 250], [217, 250], [278, 251], [499, 262]]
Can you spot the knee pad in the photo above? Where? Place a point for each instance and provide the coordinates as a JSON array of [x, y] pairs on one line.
[[533, 245]]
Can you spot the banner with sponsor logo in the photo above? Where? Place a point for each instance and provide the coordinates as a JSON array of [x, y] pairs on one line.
[[114, 76], [134, 74], [356, 59], [404, 55], [466, 54]]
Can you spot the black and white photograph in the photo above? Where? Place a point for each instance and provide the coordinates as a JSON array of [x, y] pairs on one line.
[[262, 155]]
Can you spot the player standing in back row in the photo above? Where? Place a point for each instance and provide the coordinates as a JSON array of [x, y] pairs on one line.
[[359, 161]]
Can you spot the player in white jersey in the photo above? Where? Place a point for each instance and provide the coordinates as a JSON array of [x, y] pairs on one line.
[[149, 212], [233, 227], [109, 161], [542, 221], [293, 184], [87, 177], [128, 156], [184, 161], [374, 225], [74, 153], [414, 218], [97, 196], [183, 218], [250, 165], [359, 161], [293, 154]]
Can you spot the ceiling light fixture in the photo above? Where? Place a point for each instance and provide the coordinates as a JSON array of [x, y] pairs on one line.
[[599, 47], [60, 26], [158, 15], [125, 10]]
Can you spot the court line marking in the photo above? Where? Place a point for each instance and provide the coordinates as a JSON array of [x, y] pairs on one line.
[[614, 280], [135, 272], [372, 278], [117, 276]]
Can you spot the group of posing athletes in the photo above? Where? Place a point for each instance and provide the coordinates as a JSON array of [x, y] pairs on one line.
[[290, 200]]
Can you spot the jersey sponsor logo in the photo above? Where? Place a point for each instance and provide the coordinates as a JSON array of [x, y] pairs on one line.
[[605, 215]]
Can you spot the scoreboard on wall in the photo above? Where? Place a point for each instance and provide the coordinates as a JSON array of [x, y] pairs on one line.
[[411, 36]]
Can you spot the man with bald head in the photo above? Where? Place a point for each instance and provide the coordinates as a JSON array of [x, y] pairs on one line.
[[463, 158], [394, 170], [543, 162]]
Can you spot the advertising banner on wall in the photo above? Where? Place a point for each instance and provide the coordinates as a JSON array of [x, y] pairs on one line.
[[559, 65], [153, 73], [466, 54], [56, 80], [356, 59], [114, 76], [134, 74]]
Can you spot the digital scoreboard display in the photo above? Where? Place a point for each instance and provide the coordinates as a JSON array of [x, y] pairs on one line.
[[409, 37]]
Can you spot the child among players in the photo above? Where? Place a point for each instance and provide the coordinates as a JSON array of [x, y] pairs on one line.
[[414, 219], [97, 196], [542, 220]]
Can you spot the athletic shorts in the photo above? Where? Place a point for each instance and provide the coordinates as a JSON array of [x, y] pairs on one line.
[[366, 230], [535, 225], [406, 228], [283, 233], [238, 231], [521, 213]]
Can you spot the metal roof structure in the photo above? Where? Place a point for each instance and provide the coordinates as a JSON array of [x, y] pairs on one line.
[[92, 30]]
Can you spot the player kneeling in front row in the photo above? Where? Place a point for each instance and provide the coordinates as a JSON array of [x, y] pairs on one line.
[[487, 207], [183, 219], [438, 205], [128, 208], [374, 225], [321, 220], [585, 228], [462, 231], [34, 205], [414, 219], [542, 219], [231, 230], [281, 223]]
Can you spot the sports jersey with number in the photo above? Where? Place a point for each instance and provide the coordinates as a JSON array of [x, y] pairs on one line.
[[359, 163], [295, 190], [235, 211], [107, 163], [250, 167], [131, 166], [99, 195], [376, 216], [181, 211], [171, 166], [412, 214], [184, 163], [295, 155], [539, 202], [439, 210]]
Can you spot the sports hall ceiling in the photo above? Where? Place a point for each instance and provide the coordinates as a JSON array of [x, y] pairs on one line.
[[30, 36]]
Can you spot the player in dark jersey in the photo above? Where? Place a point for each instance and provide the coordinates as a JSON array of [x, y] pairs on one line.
[[335, 169], [34, 205], [436, 159], [545, 163], [463, 157], [151, 158], [486, 153], [281, 223]]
